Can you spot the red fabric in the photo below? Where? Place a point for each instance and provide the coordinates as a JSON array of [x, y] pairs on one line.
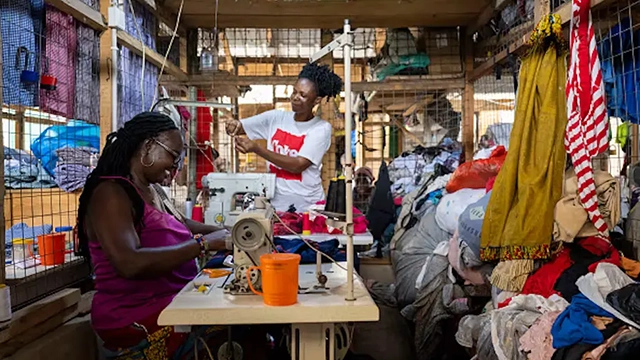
[[292, 220], [475, 174], [542, 281], [204, 164], [601, 246], [318, 225], [587, 128], [397, 201]]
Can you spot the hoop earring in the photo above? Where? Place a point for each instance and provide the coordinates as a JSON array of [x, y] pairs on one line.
[[146, 165]]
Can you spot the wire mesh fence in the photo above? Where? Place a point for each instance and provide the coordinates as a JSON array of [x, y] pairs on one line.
[[50, 87], [618, 42], [257, 67]]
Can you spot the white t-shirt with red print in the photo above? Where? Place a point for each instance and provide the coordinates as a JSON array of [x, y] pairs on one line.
[[309, 139]]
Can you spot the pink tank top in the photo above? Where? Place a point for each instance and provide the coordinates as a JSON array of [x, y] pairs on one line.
[[120, 302]]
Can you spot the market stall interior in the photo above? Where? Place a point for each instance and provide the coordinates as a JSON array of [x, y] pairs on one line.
[[480, 179]]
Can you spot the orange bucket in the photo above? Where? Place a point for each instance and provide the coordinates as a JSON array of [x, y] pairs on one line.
[[52, 248], [279, 273]]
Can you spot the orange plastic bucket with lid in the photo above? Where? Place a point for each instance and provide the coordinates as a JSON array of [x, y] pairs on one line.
[[279, 273], [52, 248]]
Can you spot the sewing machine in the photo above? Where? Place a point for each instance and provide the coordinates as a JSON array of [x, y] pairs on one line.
[[230, 193], [252, 236]]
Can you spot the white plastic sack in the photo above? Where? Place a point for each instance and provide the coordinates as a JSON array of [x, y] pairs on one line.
[[452, 205]]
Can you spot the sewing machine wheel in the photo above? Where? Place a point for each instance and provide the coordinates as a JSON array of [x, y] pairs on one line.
[[248, 235], [241, 277], [227, 353]]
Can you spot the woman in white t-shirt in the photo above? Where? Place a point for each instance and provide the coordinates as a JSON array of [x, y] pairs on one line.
[[296, 140]]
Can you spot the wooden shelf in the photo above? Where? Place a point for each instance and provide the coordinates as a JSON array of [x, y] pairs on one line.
[[425, 83], [81, 12], [152, 56], [520, 44]]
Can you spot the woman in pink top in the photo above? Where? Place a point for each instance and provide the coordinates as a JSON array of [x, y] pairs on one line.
[[141, 256]]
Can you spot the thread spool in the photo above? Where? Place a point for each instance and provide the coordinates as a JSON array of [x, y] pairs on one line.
[[341, 205], [197, 214], [5, 303], [306, 224], [188, 208], [332, 196]]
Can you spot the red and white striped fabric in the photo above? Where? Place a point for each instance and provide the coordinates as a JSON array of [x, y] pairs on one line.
[[586, 134]]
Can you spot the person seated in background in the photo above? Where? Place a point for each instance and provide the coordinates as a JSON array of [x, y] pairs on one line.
[[141, 255], [296, 140]]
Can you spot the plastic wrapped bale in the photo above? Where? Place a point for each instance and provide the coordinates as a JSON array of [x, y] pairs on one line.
[[411, 251]]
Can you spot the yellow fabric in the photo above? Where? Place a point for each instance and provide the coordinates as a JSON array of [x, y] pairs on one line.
[[519, 218]]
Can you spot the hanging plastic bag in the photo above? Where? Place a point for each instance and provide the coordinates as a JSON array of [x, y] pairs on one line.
[[75, 134], [476, 174]]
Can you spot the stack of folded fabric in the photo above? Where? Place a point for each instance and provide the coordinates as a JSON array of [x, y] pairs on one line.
[[73, 167]]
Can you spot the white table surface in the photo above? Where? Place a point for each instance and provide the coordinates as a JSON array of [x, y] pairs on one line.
[[358, 239], [218, 308]]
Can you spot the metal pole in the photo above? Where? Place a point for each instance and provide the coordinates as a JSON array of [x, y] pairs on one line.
[[349, 159], [192, 150], [115, 52]]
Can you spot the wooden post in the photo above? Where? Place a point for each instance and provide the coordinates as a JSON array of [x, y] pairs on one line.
[[2, 227], [326, 110], [106, 77], [540, 9], [468, 101]]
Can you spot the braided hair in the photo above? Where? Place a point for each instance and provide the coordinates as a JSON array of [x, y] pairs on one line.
[[328, 84], [115, 160]]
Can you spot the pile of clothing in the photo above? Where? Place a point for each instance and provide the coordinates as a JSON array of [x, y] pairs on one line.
[[73, 167], [541, 278], [23, 171]]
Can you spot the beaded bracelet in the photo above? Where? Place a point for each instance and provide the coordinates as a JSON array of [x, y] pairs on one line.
[[204, 246]]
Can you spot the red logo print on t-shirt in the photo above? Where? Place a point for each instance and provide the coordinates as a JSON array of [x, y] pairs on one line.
[[284, 143]]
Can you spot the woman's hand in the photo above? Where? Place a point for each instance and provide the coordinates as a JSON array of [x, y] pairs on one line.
[[217, 240], [233, 127], [245, 145]]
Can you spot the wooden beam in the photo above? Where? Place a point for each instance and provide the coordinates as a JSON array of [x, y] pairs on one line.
[[564, 11], [468, 101], [310, 21], [81, 12], [106, 77], [542, 8], [3, 227], [483, 19], [227, 52], [428, 83], [152, 56]]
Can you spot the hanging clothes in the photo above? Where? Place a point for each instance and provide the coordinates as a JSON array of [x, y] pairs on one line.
[[18, 29], [382, 209], [621, 72], [519, 217], [586, 135], [60, 62], [87, 88]]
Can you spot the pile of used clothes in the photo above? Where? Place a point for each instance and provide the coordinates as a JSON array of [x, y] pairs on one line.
[[424, 169], [449, 302]]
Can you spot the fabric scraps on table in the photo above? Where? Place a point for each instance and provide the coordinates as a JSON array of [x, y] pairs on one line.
[[520, 215]]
